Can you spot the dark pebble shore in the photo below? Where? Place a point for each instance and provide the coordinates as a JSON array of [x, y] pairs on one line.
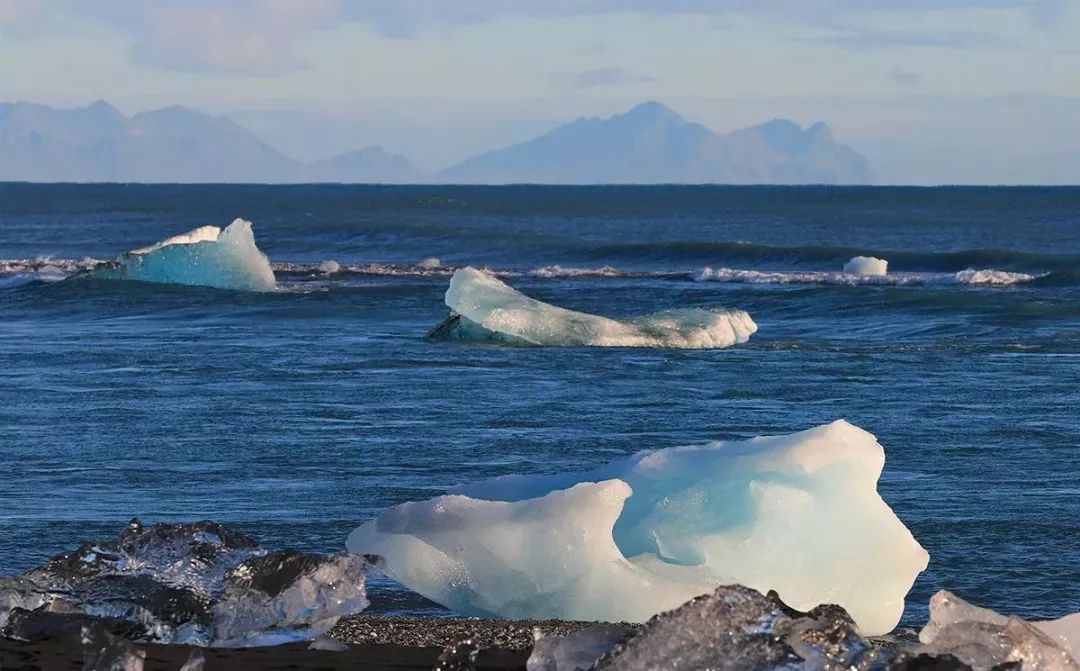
[[428, 632], [375, 644]]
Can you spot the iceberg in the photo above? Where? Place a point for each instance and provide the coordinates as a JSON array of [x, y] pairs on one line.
[[207, 256], [798, 514], [201, 584], [867, 265], [485, 308]]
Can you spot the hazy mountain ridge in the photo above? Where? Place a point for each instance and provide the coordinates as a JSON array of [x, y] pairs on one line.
[[175, 144], [651, 143], [648, 144]]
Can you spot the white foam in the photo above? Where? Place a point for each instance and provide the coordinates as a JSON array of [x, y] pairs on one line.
[[968, 277], [206, 256], [491, 307], [867, 265], [992, 277], [797, 513]]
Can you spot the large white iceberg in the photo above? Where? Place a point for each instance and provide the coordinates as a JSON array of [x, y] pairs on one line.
[[207, 256], [485, 308], [799, 514]]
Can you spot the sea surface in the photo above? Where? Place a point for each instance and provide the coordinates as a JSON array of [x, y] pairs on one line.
[[298, 414]]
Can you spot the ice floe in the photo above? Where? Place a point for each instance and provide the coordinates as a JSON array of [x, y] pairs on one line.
[[207, 256], [485, 308]]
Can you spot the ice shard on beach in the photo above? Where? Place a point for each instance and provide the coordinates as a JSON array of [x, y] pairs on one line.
[[984, 639], [207, 256], [486, 309], [798, 513], [200, 583]]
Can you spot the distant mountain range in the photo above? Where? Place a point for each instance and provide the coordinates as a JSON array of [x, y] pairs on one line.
[[646, 145]]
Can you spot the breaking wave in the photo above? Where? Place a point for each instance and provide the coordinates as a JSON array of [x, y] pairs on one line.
[[753, 254], [963, 277]]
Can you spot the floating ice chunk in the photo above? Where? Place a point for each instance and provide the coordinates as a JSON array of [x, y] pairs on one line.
[[982, 638], [579, 650], [430, 263], [206, 256], [196, 661], [484, 308], [867, 265], [798, 513], [330, 267], [200, 583]]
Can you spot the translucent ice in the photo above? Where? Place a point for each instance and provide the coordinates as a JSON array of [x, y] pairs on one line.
[[983, 639], [799, 514], [484, 308], [206, 256], [732, 628], [579, 650], [866, 265], [198, 583]]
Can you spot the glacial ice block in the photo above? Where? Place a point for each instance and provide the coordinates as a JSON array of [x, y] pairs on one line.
[[207, 256], [798, 513], [867, 265], [982, 638], [199, 583], [487, 309]]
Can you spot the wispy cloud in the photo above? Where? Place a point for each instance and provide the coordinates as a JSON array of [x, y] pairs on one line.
[[866, 40], [902, 77], [600, 77], [257, 37]]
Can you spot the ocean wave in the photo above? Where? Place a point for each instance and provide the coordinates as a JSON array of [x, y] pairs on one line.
[[755, 254], [963, 277]]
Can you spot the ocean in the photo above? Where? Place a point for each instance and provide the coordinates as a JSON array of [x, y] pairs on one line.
[[298, 414]]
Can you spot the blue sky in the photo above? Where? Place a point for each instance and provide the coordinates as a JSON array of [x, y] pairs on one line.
[[901, 80]]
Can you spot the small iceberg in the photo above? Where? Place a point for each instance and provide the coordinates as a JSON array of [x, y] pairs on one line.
[[485, 308], [867, 265], [799, 514], [197, 584], [207, 256]]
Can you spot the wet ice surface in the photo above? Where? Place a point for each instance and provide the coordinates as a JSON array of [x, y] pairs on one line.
[[738, 628], [984, 639], [199, 583]]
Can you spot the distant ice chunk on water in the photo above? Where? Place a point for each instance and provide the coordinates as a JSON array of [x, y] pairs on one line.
[[330, 267], [983, 639], [867, 265], [200, 583], [430, 263], [799, 514], [485, 308], [207, 256]]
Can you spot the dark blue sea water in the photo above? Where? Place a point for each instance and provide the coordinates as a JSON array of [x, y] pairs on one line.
[[298, 414]]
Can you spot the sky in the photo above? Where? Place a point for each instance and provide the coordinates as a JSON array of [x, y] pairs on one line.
[[931, 91]]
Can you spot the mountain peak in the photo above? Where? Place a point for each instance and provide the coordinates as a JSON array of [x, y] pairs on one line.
[[653, 111], [103, 108]]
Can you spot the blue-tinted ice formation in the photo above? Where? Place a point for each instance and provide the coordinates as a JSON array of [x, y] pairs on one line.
[[485, 308], [799, 514], [207, 256]]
